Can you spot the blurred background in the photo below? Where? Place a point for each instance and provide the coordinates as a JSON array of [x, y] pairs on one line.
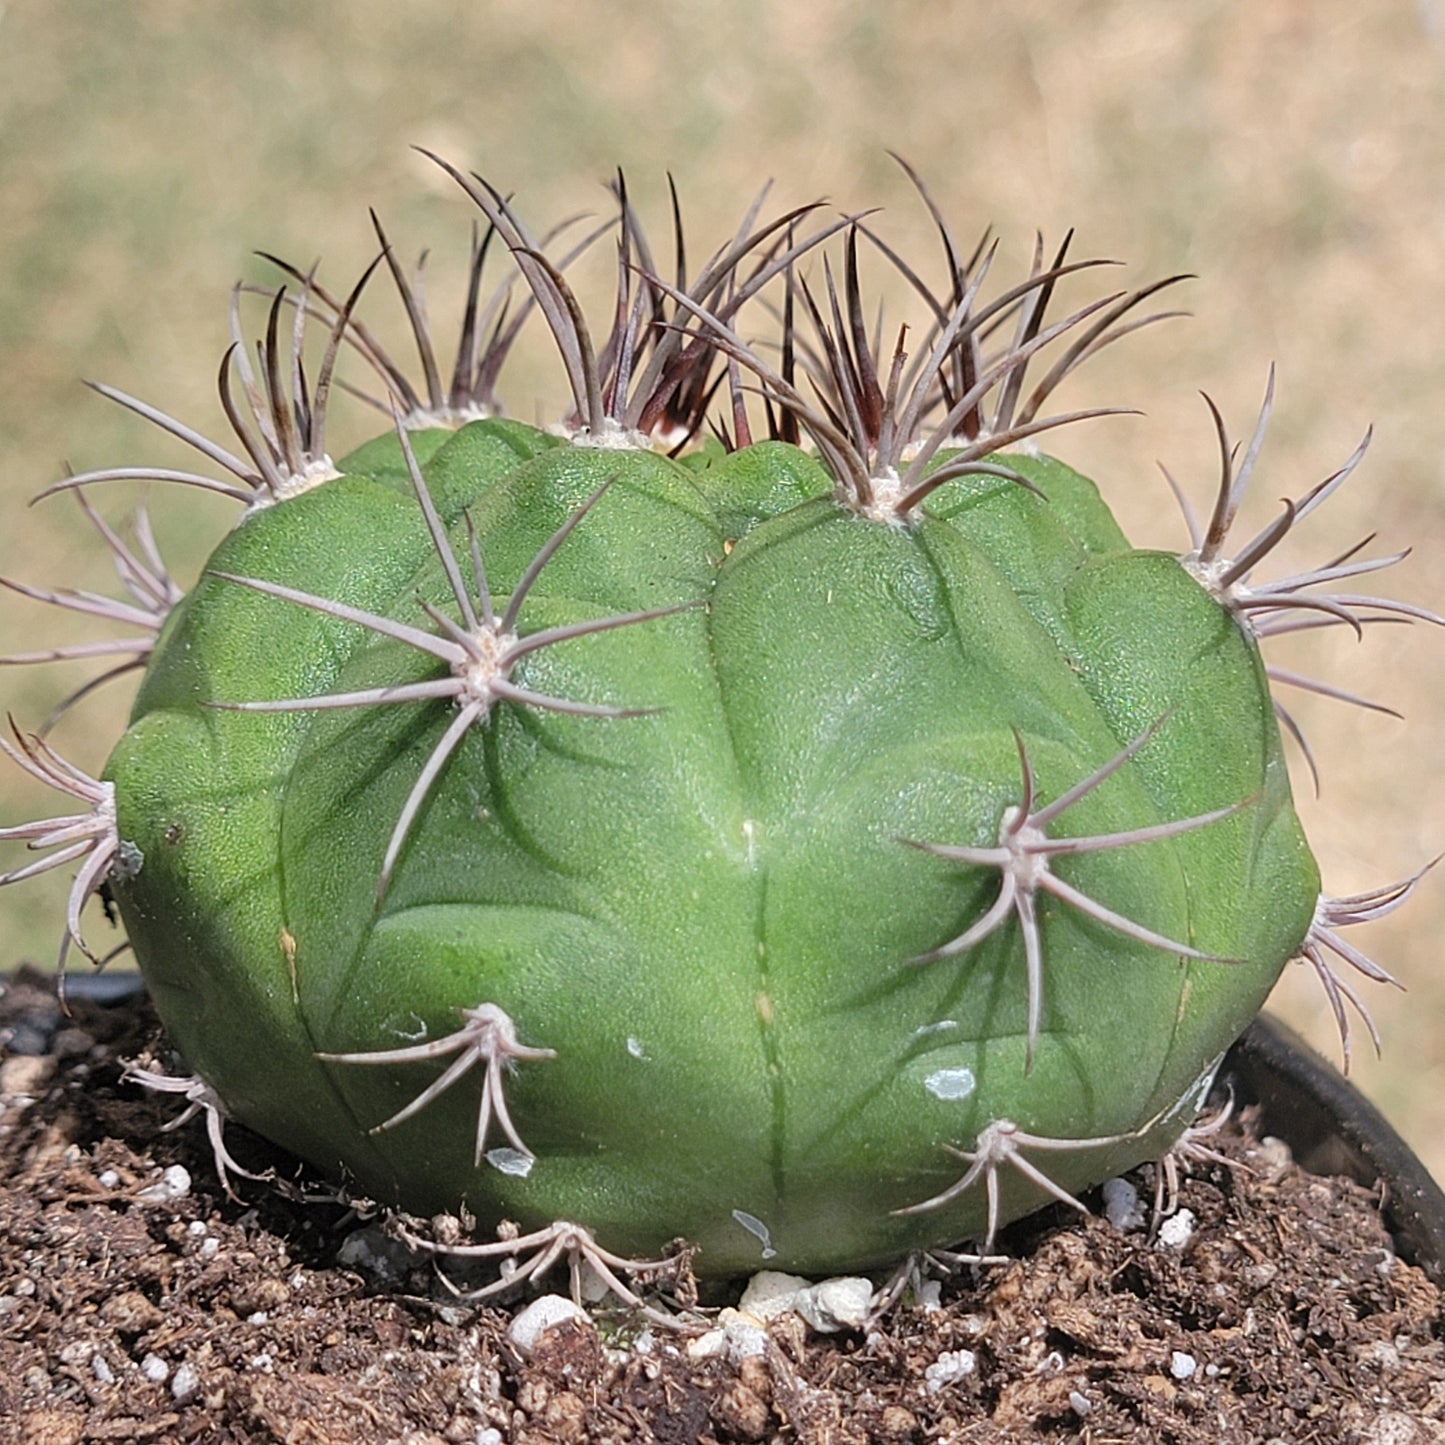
[[1290, 153]]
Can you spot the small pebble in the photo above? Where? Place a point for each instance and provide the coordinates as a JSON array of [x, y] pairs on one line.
[[29, 1036], [174, 1184], [541, 1315], [108, 1179], [100, 1368], [829, 1306], [1272, 1157], [837, 1304], [1079, 1404], [1177, 1230], [737, 1337], [69, 1043], [210, 1247], [770, 1292], [704, 1346], [1182, 1366], [155, 1369], [591, 1287], [370, 1250], [1394, 1427], [742, 1339], [1121, 1205], [185, 1382], [951, 1365]]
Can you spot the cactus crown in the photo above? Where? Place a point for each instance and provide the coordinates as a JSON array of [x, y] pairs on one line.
[[715, 815]]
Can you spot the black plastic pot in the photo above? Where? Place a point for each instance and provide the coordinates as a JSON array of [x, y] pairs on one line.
[[1333, 1129]]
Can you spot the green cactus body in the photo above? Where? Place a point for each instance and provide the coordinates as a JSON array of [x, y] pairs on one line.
[[818, 848], [709, 912]]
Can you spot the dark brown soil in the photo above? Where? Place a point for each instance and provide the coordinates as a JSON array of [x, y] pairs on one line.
[[1285, 1316]]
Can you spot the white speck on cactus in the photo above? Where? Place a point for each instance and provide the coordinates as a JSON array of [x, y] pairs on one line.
[[951, 1083], [757, 1229], [511, 1161]]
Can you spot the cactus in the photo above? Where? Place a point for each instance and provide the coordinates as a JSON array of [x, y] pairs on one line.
[[803, 827]]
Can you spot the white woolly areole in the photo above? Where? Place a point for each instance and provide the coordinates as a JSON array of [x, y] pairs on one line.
[[323, 469], [479, 673], [887, 493], [451, 418], [1209, 575], [611, 436]]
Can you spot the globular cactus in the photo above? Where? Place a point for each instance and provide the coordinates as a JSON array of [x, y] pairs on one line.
[[817, 848]]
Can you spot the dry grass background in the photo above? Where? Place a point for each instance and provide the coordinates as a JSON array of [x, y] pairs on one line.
[[1289, 152]]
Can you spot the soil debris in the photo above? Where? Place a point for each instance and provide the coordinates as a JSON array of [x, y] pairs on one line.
[[139, 1303]]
